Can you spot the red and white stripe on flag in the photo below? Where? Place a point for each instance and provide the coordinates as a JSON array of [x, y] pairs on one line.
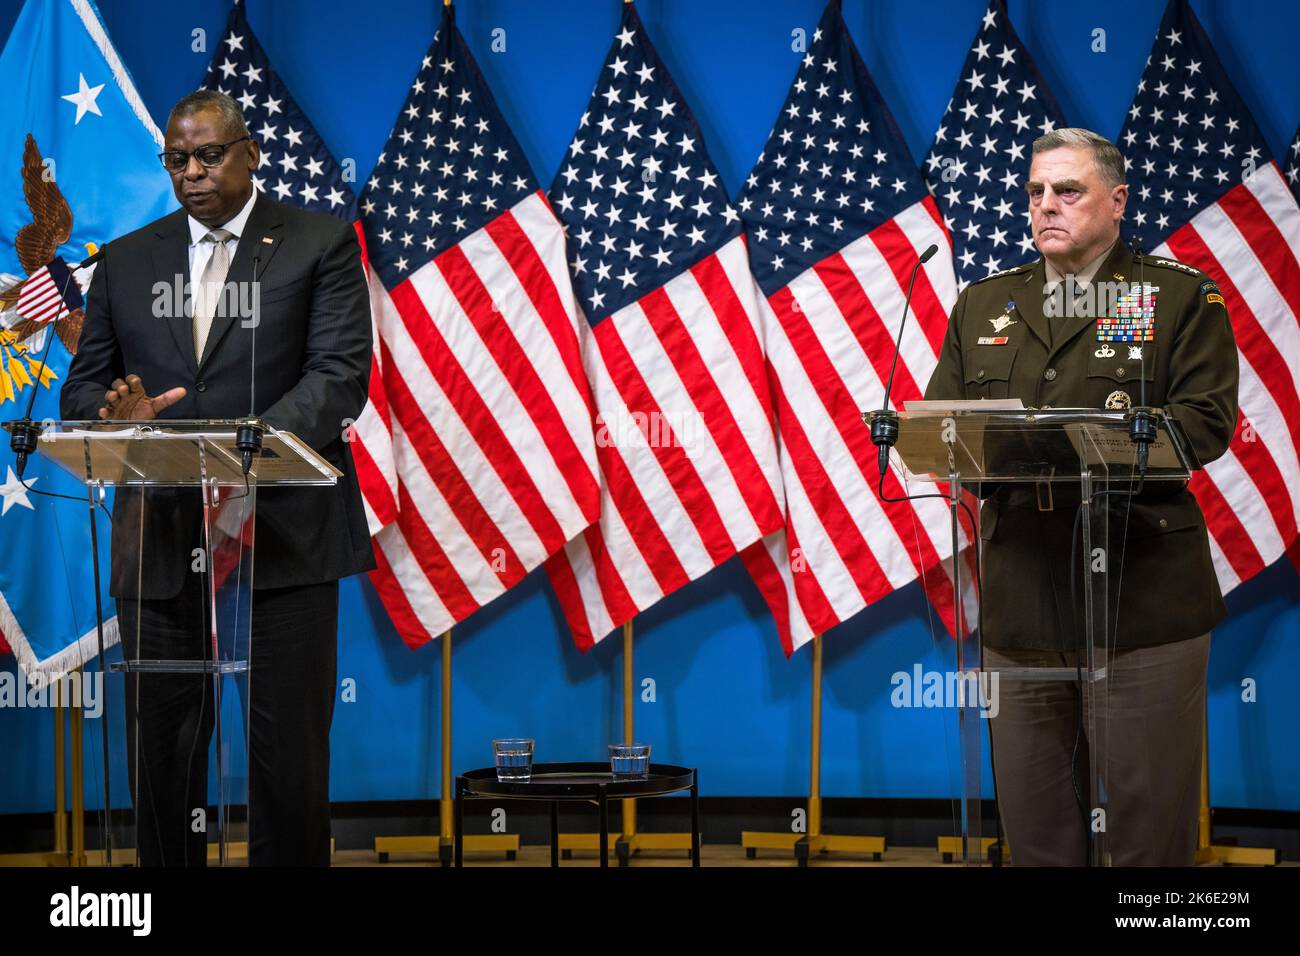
[[836, 161], [39, 299], [490, 420], [830, 340], [1240, 225], [684, 438], [371, 435], [1247, 241]]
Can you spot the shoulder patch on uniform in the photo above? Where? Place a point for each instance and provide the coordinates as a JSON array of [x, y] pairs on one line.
[[1005, 272], [1174, 264]]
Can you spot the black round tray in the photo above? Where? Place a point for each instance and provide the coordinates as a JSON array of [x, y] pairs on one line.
[[578, 781]]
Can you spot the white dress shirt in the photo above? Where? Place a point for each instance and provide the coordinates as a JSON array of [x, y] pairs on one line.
[[201, 252]]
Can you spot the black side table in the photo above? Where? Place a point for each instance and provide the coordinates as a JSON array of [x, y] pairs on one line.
[[589, 782]]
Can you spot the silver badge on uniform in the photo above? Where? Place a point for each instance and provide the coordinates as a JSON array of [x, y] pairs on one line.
[[1135, 353], [1118, 400], [1105, 351]]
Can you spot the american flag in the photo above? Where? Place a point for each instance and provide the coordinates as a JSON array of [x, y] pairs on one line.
[[1293, 165], [296, 165], [685, 443], [837, 216], [978, 163], [1204, 190], [490, 412], [49, 293], [297, 168]]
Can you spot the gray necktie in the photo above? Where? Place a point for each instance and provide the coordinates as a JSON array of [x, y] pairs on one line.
[[210, 285]]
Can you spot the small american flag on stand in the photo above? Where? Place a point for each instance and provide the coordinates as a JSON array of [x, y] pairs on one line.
[[1204, 190], [490, 412], [685, 443], [979, 161], [837, 216], [297, 168], [49, 293]]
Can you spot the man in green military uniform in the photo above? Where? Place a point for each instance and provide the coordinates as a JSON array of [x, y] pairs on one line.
[[1065, 331]]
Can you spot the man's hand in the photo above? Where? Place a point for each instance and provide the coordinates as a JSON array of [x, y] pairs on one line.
[[127, 400]]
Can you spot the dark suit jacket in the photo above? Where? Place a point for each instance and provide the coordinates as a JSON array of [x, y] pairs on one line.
[[1170, 591], [312, 371]]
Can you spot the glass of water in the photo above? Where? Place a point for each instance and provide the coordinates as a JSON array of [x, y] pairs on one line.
[[629, 761], [514, 759]]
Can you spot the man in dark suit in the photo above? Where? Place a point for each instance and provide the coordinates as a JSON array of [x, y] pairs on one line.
[[312, 362], [1010, 337]]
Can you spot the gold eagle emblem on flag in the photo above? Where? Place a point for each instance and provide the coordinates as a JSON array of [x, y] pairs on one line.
[[37, 244]]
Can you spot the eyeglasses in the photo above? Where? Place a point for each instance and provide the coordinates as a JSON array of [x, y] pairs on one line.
[[175, 160]]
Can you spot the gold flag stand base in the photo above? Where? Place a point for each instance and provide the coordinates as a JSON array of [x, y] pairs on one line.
[[442, 844], [1206, 850], [629, 843], [814, 843], [65, 853]]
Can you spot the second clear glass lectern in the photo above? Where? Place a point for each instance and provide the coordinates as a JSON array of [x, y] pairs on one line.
[[183, 520], [1072, 458]]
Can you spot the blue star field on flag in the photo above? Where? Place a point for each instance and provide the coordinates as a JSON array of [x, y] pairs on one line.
[[296, 166], [1188, 137], [450, 166], [638, 195], [978, 164], [835, 165], [1292, 170]]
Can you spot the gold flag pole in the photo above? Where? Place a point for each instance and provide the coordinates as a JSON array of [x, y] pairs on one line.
[[443, 843], [78, 857], [629, 805], [630, 842], [814, 842]]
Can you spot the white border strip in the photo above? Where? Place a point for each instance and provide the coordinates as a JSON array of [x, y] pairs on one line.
[[90, 19]]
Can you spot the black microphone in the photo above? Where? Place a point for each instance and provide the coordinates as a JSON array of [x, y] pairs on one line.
[[89, 261], [249, 432], [1141, 423], [884, 423], [24, 433]]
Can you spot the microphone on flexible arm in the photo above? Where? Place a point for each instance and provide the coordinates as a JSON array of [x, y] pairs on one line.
[[24, 433], [1141, 423], [884, 423], [249, 431]]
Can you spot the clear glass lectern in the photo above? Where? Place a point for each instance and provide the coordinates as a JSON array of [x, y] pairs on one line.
[[182, 578], [1082, 455]]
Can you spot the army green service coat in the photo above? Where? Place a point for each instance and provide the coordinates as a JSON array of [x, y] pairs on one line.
[[1000, 344]]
